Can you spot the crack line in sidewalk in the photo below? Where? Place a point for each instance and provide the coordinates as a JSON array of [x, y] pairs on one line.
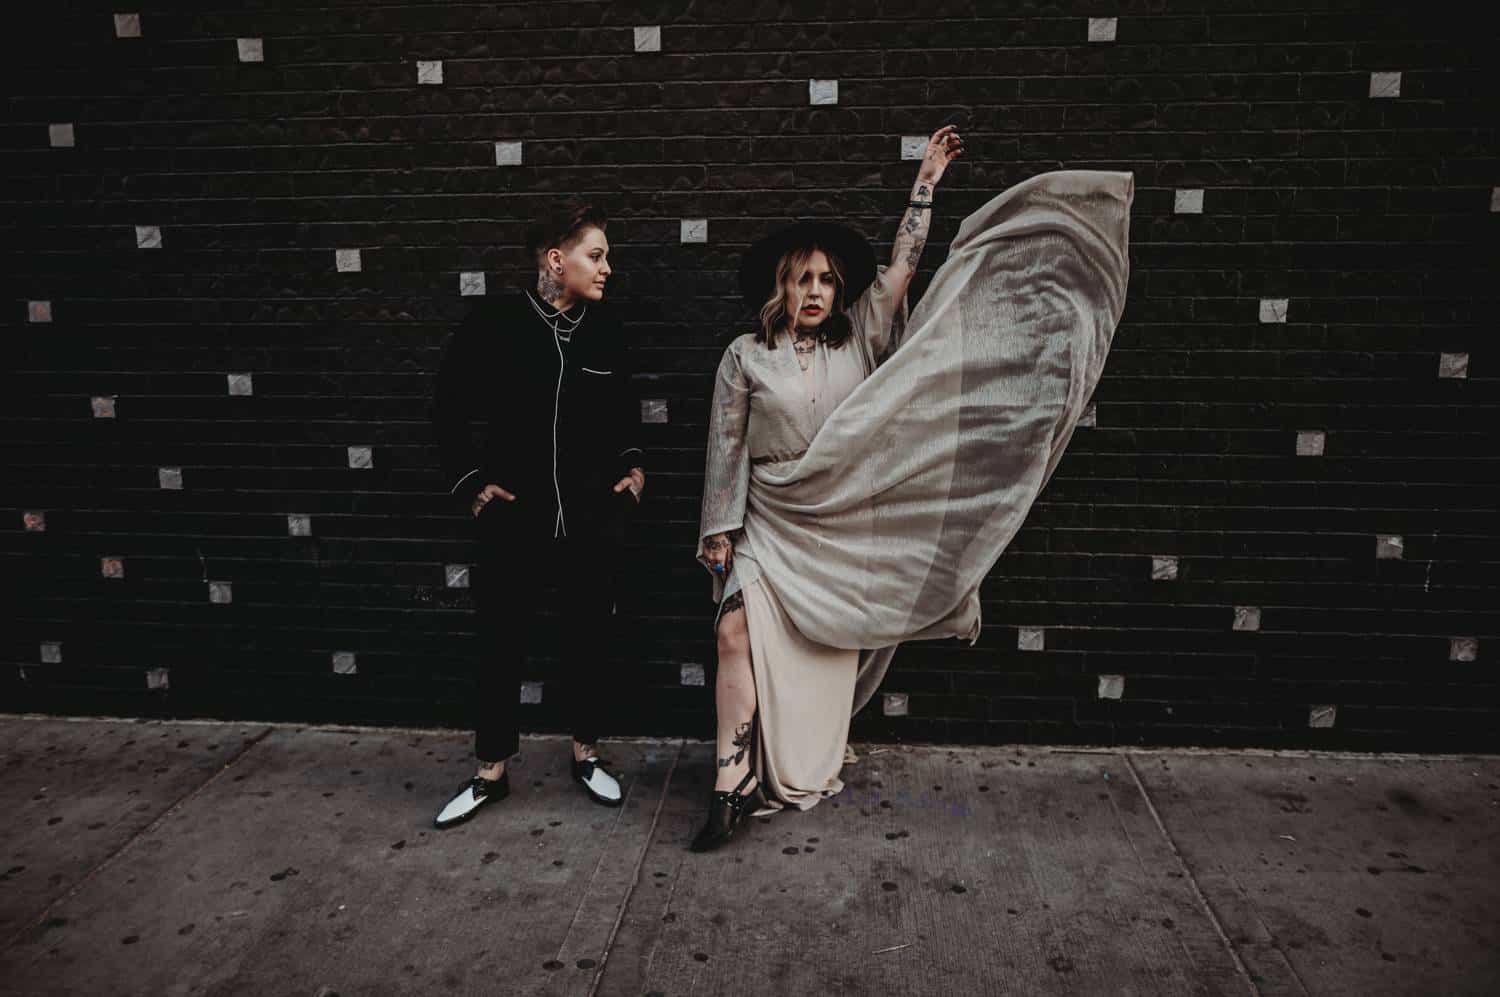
[[1192, 880], [635, 876], [125, 846]]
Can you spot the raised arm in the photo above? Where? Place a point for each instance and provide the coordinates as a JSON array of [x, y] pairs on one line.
[[911, 236]]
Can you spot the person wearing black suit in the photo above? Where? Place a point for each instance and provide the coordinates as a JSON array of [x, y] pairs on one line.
[[537, 425]]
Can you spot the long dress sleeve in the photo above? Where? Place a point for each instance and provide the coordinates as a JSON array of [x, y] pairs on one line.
[[460, 458], [879, 321], [726, 476]]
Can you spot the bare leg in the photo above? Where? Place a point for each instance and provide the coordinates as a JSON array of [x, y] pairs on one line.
[[734, 696], [492, 772]]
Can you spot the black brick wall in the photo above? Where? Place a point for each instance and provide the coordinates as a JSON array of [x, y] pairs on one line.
[[1373, 217]]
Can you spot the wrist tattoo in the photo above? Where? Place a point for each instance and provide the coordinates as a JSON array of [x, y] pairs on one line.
[[911, 237]]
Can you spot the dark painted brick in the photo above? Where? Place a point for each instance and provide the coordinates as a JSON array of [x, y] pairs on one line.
[[1371, 217]]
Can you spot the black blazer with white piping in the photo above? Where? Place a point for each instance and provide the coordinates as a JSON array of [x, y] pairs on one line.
[[555, 421]]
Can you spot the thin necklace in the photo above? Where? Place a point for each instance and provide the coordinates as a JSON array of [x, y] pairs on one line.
[[556, 320]]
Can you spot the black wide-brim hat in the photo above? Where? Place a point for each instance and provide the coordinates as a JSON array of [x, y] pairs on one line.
[[856, 255]]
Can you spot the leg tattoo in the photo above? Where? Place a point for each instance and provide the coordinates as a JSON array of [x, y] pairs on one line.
[[741, 740]]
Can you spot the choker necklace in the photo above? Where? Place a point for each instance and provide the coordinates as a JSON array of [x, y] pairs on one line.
[[556, 320]]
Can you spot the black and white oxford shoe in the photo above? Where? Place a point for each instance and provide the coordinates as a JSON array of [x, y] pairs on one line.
[[474, 794], [599, 784]]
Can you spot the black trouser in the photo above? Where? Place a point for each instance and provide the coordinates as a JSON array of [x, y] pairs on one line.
[[524, 576]]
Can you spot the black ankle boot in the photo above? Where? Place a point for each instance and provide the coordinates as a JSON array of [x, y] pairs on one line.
[[725, 809]]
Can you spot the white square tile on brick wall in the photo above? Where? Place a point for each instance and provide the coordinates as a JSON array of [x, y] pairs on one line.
[[220, 593], [1389, 547], [648, 38], [104, 406], [1031, 639], [35, 521], [1385, 84], [1247, 618], [1463, 649], [158, 678], [1495, 198], [1310, 443], [60, 136], [471, 284], [531, 692], [1102, 29], [1163, 569], [691, 675], [251, 49], [345, 663], [169, 478], [127, 25], [429, 72], [653, 410], [39, 311], [148, 237], [361, 458], [507, 153], [894, 704], [693, 230], [347, 261], [1273, 309], [913, 146], [112, 567], [1188, 202], [51, 653], [1453, 365], [456, 576], [1322, 716], [240, 384], [1111, 687], [821, 92], [298, 525]]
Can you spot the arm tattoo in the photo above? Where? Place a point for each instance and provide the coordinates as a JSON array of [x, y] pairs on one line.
[[741, 741], [548, 287], [911, 237]]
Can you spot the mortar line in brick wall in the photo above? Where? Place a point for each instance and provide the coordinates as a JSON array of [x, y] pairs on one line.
[[129, 842], [1192, 880]]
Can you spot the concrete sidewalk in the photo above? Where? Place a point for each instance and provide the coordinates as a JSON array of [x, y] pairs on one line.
[[209, 858]]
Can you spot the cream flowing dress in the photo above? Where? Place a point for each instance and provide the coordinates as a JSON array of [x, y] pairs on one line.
[[868, 496]]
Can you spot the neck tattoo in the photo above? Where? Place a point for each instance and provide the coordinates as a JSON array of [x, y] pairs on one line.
[[549, 288], [805, 343]]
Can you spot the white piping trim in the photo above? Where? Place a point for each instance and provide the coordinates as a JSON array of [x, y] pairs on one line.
[[559, 528], [593, 371], [454, 489]]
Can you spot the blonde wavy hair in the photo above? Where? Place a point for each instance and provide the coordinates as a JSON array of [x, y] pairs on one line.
[[774, 314]]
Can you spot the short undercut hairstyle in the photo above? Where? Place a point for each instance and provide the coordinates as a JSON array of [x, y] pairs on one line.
[[561, 228]]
